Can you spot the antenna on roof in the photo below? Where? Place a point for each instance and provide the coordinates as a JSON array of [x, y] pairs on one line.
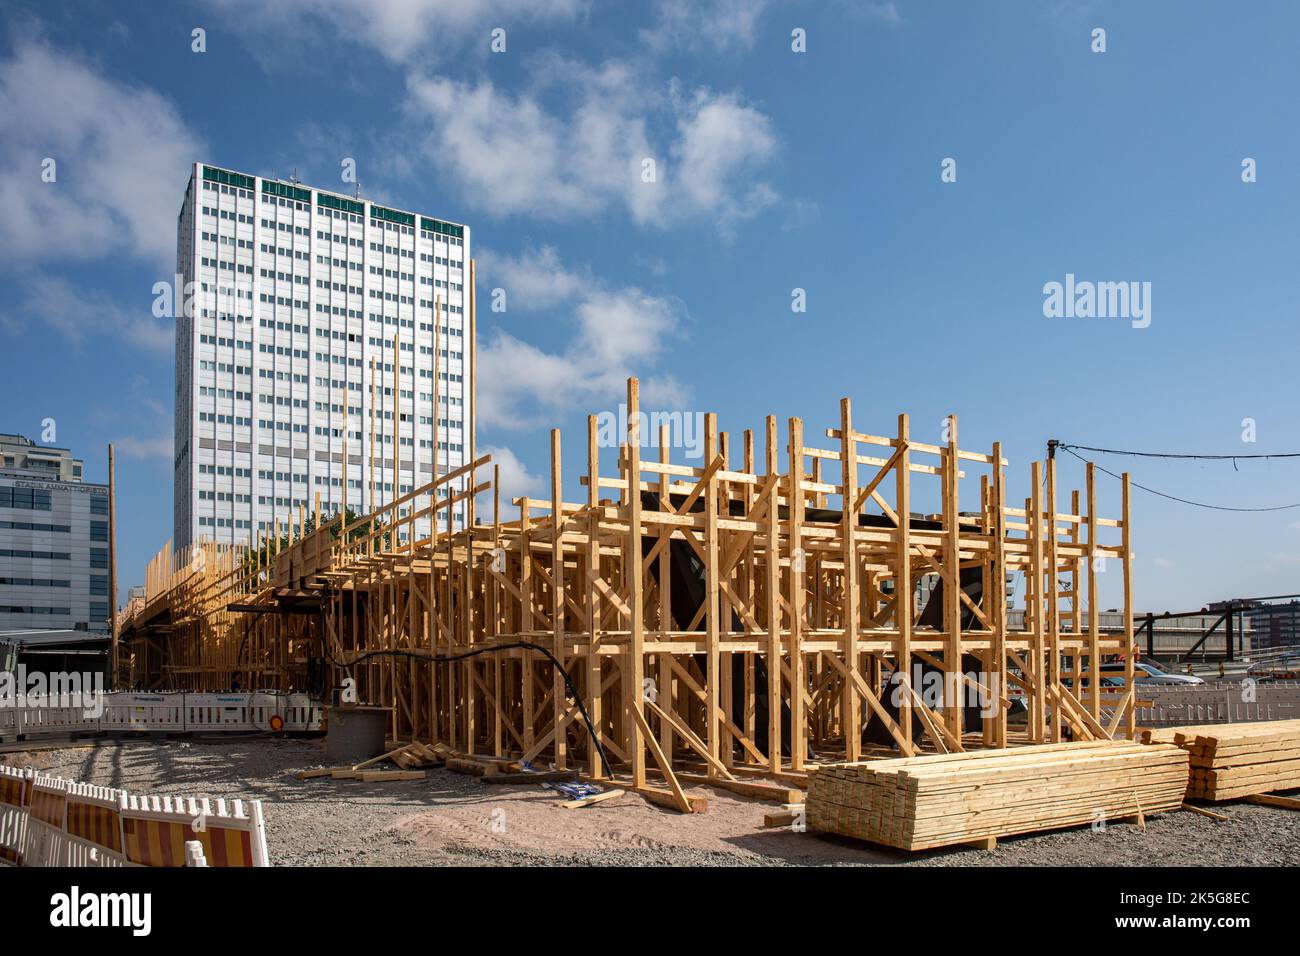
[[293, 177]]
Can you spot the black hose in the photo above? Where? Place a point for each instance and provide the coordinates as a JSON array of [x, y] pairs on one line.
[[495, 648]]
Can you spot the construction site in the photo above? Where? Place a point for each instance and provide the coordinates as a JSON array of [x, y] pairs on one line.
[[724, 660]]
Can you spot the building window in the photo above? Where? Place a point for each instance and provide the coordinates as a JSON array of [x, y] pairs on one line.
[[98, 584], [99, 531]]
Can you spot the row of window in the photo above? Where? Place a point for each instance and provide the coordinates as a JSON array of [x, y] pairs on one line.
[[36, 582], [26, 498], [35, 526]]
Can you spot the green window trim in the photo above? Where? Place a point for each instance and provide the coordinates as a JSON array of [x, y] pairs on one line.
[[226, 178], [392, 215], [286, 191], [441, 228], [338, 202]]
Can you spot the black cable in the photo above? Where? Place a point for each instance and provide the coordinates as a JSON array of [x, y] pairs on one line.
[[452, 658], [1186, 501], [1159, 454]]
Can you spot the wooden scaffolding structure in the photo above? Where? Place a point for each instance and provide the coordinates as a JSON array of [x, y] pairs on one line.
[[728, 621]]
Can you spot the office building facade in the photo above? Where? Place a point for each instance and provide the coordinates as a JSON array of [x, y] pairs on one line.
[[305, 332], [54, 549]]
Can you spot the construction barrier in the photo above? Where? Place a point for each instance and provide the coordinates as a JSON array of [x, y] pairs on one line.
[[143, 713], [156, 829], [1223, 702], [50, 716], [8, 722], [174, 712], [94, 826], [14, 785], [50, 821], [46, 843]]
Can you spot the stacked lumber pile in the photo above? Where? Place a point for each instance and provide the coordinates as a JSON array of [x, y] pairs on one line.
[[917, 803], [412, 758], [1230, 761]]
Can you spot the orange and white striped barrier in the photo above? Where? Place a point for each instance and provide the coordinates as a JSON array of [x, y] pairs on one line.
[[156, 829], [94, 826], [14, 786], [50, 821]]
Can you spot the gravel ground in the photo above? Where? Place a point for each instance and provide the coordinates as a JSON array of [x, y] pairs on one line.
[[449, 819]]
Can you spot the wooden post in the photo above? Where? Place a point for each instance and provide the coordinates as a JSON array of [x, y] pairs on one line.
[[773, 597], [712, 678], [112, 569], [952, 683], [634, 672], [998, 670], [559, 697], [1053, 601], [372, 506], [594, 676], [1126, 519], [850, 705], [798, 559], [903, 606], [1094, 617], [397, 439]]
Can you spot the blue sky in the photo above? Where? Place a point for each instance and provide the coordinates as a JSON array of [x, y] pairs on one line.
[[776, 171]]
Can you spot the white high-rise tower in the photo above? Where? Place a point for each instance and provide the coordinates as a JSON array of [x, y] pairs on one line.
[[294, 295]]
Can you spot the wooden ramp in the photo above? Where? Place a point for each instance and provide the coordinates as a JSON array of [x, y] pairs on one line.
[[1230, 761], [918, 803]]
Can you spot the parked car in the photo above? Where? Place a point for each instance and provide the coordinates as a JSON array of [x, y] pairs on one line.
[[1146, 674]]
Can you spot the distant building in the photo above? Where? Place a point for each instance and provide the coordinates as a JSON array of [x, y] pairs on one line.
[[53, 541], [1276, 626]]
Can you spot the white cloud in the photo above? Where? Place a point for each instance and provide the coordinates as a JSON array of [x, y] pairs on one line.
[[76, 315], [399, 29], [536, 279], [720, 140], [157, 446], [724, 25], [884, 12], [122, 156], [616, 332], [516, 481], [575, 145]]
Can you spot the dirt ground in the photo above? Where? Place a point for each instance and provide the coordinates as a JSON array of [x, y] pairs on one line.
[[448, 819]]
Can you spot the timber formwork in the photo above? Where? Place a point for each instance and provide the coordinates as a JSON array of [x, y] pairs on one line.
[[725, 621]]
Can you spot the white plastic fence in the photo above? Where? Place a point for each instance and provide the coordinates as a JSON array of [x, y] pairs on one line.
[[177, 712], [1226, 702], [46, 843], [50, 821]]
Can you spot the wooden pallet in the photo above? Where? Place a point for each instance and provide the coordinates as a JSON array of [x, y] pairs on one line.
[[1231, 761], [919, 803]]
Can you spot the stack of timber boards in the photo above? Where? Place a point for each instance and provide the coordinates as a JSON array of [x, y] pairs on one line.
[[1238, 760], [917, 803]]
